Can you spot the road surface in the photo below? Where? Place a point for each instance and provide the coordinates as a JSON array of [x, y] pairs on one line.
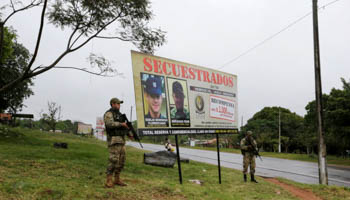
[[303, 172]]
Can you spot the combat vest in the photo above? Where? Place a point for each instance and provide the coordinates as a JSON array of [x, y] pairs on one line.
[[120, 131], [246, 142]]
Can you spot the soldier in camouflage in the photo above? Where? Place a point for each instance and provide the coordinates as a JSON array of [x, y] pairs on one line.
[[248, 144], [179, 112], [116, 131]]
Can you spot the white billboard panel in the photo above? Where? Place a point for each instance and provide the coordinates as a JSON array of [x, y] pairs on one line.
[[174, 97]]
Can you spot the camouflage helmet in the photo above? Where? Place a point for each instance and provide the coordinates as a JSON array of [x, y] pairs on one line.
[[249, 133], [115, 100]]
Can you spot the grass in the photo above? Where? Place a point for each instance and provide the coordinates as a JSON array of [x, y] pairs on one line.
[[30, 168], [290, 156]]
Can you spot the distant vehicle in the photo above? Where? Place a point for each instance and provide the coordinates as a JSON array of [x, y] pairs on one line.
[[84, 129]]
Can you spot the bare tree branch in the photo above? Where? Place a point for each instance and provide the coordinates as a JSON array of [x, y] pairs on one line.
[[114, 37], [32, 4], [12, 6], [71, 36], [38, 39], [84, 70], [48, 67], [76, 39], [32, 74], [96, 34]]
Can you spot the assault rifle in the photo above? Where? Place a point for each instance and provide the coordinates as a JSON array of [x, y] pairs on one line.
[[255, 152], [131, 128]]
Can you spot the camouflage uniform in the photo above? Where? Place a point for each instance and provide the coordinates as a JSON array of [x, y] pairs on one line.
[[248, 156], [179, 95], [247, 144], [115, 140], [182, 115]]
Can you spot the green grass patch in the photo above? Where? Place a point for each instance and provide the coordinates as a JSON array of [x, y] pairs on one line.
[[30, 168]]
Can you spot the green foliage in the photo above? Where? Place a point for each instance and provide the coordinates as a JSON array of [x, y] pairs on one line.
[[12, 64], [52, 116], [9, 37], [336, 113], [66, 126], [264, 125], [91, 17]]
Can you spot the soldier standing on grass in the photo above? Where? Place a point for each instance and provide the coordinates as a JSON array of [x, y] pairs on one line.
[[248, 146], [116, 131]]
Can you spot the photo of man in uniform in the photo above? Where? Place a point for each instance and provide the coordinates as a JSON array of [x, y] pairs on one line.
[[179, 112], [153, 97]]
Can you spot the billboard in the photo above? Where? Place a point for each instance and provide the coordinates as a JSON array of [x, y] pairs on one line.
[[84, 129], [174, 97]]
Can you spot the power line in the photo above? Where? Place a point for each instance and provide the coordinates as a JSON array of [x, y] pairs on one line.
[[274, 35]]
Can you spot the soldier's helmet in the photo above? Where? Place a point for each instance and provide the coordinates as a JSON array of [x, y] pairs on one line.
[[153, 85], [115, 100], [249, 133], [177, 89]]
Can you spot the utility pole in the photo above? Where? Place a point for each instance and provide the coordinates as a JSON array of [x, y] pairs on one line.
[[279, 129], [242, 122], [131, 114], [322, 162]]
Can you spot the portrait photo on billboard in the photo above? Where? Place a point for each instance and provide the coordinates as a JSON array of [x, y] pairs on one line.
[[178, 103], [154, 100]]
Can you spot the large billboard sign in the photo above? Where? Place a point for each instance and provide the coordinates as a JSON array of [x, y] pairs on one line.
[[174, 97], [84, 129]]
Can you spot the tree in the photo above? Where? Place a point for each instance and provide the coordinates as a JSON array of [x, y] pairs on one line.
[[66, 126], [15, 58], [336, 110], [264, 125], [52, 116], [87, 20]]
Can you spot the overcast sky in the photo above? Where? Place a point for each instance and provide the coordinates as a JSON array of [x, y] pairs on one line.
[[207, 33]]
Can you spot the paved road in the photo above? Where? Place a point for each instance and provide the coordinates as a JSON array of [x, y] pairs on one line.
[[304, 172]]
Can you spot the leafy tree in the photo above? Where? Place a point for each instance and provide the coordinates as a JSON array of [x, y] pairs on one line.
[[264, 125], [15, 58], [7, 43], [336, 112], [66, 126], [24, 123], [52, 116], [87, 20]]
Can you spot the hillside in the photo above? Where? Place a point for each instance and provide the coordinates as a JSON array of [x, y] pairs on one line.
[[31, 168]]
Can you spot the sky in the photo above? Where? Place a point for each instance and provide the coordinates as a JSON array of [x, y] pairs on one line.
[[207, 33]]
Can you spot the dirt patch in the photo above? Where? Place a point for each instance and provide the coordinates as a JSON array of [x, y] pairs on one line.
[[300, 193]]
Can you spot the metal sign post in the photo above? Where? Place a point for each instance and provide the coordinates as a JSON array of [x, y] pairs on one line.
[[178, 159], [218, 151]]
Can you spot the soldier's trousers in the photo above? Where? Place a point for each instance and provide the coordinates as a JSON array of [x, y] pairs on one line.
[[248, 160], [116, 158]]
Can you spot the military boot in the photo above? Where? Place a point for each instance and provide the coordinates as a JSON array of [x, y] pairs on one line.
[[117, 180], [109, 182], [245, 177], [252, 179]]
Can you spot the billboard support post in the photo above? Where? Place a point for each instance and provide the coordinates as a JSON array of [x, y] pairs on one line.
[[218, 151], [178, 159]]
